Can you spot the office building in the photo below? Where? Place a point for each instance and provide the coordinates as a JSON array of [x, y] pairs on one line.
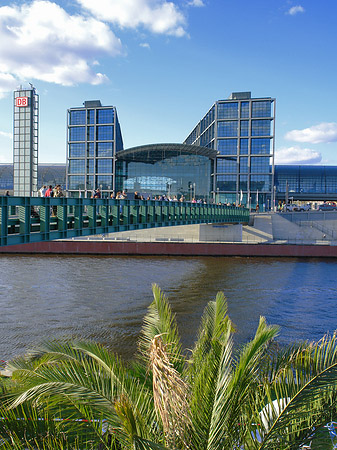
[[242, 130], [94, 140], [25, 141]]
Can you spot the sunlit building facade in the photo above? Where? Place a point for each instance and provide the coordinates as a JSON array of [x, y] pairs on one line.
[[242, 130], [25, 142], [94, 139]]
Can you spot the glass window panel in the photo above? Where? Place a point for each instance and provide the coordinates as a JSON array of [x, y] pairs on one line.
[[261, 127], [260, 146], [227, 146], [259, 164], [77, 117], [261, 183], [91, 149], [76, 182], [91, 116], [103, 181], [90, 166], [76, 166], [244, 110], [226, 183], [105, 133], [91, 134], [244, 164], [104, 166], [226, 165], [76, 150], [228, 110], [243, 146], [228, 128], [105, 149], [105, 116], [77, 134], [243, 182], [261, 108], [244, 127]]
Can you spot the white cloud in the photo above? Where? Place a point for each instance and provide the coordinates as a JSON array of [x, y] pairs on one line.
[[296, 10], [158, 16], [297, 155], [197, 3], [42, 41], [145, 45], [6, 135], [322, 133], [7, 83]]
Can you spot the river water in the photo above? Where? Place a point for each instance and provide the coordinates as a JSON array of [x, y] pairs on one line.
[[105, 297]]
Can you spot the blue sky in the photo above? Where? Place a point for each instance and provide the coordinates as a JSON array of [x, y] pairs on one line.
[[164, 63]]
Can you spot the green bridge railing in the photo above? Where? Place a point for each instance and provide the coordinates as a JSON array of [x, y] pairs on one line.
[[35, 219]]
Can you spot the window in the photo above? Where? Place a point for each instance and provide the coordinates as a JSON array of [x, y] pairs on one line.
[[104, 180], [104, 166], [91, 149], [244, 164], [261, 183], [260, 147], [226, 165], [105, 116], [228, 110], [228, 128], [227, 146], [259, 164], [77, 134], [76, 166], [90, 166], [105, 133], [244, 127], [76, 182], [91, 116], [105, 149], [77, 117], [226, 183], [244, 110], [76, 150], [261, 127], [243, 146], [261, 108], [91, 133], [243, 182]]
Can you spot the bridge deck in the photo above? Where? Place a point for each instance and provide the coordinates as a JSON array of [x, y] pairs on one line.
[[32, 219]]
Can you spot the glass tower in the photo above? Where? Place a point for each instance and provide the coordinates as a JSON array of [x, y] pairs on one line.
[[94, 139], [25, 142], [242, 130]]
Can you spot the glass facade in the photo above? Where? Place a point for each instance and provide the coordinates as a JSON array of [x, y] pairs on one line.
[[170, 169], [94, 140], [25, 142], [306, 182], [243, 133]]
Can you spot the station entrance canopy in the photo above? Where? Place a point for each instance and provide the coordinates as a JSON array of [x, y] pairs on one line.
[[167, 169]]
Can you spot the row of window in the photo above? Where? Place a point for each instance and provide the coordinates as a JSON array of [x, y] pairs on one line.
[[261, 183], [230, 110], [232, 128], [90, 166], [82, 182], [91, 116], [234, 165], [259, 146], [100, 149], [91, 133]]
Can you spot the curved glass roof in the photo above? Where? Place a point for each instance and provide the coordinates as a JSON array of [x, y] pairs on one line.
[[152, 153]]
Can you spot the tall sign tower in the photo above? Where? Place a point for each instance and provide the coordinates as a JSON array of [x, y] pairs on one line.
[[26, 141]]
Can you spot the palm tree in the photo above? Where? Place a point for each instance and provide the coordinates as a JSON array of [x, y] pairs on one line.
[[75, 395]]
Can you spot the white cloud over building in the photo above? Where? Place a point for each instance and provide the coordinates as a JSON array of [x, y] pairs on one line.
[[297, 155], [322, 133]]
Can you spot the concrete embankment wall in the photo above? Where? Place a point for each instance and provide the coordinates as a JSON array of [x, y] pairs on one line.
[[171, 248]]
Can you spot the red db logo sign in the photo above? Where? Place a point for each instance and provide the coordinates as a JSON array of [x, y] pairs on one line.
[[21, 101]]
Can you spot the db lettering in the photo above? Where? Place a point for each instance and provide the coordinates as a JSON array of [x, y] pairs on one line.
[[21, 101]]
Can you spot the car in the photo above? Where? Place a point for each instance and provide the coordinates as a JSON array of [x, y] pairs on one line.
[[328, 207], [302, 207]]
